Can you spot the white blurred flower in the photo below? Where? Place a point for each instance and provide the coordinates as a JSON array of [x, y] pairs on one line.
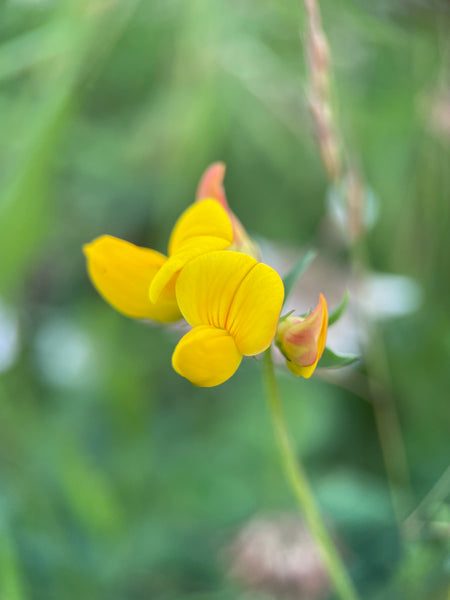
[[64, 353], [277, 555]]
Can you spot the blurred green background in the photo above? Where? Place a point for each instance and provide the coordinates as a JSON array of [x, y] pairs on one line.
[[118, 479]]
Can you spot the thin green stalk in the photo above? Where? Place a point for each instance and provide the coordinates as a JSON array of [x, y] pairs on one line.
[[298, 482], [432, 502], [337, 166]]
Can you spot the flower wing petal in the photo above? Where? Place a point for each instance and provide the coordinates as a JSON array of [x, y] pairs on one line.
[[256, 307], [122, 272], [207, 286], [207, 356], [203, 218]]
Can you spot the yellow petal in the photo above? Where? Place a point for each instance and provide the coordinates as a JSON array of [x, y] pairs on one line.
[[203, 227], [122, 273], [207, 356], [192, 248], [207, 286], [300, 371], [255, 310], [233, 291], [204, 218]]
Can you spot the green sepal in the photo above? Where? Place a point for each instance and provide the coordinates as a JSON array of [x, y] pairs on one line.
[[279, 345], [330, 359], [337, 312], [284, 317], [297, 271]]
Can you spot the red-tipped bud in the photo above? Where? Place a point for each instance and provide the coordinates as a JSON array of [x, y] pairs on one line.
[[302, 339], [211, 186]]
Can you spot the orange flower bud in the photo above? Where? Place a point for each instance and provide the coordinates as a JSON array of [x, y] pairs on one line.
[[302, 339], [211, 186]]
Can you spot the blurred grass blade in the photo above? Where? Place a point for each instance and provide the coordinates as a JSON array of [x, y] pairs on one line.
[[25, 204], [26, 201], [338, 312], [27, 50], [297, 271], [332, 360], [89, 492], [10, 578]]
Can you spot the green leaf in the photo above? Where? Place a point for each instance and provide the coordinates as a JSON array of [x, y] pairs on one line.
[[337, 312], [297, 271], [332, 360]]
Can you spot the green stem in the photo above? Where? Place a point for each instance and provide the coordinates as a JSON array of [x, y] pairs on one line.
[[298, 481]]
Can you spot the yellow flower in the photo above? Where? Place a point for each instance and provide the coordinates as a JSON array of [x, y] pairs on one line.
[[211, 186], [302, 340], [233, 304], [140, 282]]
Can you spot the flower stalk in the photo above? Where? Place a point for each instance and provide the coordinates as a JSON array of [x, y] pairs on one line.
[[299, 484], [350, 184]]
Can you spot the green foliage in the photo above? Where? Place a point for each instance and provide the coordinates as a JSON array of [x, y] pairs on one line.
[[118, 480], [339, 310], [297, 271], [332, 359]]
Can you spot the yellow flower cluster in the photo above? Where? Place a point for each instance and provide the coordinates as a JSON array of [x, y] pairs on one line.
[[211, 277]]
